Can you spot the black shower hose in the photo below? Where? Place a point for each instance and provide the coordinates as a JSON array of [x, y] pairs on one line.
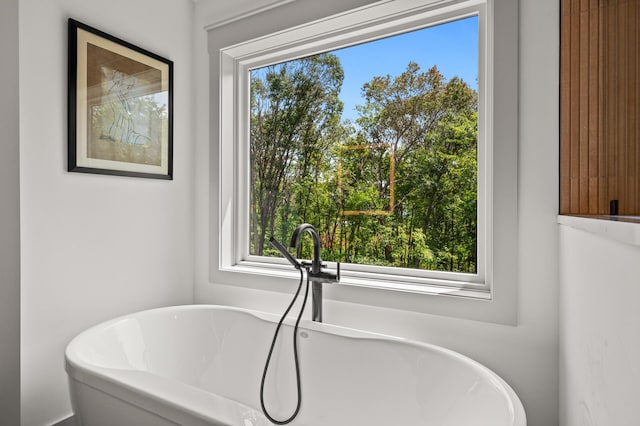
[[295, 353]]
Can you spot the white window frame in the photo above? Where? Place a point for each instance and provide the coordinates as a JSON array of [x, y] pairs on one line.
[[368, 23]]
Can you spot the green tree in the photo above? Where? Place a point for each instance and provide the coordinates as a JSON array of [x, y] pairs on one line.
[[294, 107], [429, 128]]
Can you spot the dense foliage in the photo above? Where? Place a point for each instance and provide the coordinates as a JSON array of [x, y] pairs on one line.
[[396, 188]]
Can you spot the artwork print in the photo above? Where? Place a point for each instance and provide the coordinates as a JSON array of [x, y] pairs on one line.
[[120, 107]]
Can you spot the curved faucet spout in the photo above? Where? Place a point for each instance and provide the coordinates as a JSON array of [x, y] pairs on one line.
[[316, 265]]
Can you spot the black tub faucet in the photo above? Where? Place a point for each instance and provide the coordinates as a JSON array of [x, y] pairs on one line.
[[314, 269]]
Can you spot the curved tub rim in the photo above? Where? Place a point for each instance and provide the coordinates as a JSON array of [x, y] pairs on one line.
[[79, 370]]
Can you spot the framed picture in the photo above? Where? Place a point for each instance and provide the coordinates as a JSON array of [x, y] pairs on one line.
[[120, 107]]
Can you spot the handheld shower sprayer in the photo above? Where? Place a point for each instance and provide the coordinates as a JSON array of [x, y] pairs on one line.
[[316, 275], [278, 245], [298, 266]]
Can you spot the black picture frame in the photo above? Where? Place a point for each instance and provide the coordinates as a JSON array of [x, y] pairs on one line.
[[120, 107]]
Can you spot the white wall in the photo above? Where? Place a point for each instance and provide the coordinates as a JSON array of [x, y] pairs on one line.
[[525, 355], [9, 217], [600, 330], [94, 247]]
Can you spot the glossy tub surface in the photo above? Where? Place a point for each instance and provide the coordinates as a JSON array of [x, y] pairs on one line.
[[202, 365]]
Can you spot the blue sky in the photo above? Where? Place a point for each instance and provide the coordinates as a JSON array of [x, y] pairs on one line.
[[453, 47]]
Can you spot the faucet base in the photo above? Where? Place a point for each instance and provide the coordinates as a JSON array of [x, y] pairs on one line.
[[316, 301]]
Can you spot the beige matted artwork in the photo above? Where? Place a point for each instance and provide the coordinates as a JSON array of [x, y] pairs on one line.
[[120, 107]]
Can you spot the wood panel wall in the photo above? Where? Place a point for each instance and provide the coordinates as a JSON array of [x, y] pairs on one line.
[[599, 106]]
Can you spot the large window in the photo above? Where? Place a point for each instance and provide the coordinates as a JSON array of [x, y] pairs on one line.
[[382, 127], [379, 155]]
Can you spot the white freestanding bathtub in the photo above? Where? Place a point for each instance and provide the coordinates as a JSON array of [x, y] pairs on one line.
[[202, 365]]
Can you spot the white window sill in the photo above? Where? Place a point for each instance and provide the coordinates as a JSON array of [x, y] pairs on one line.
[[497, 307], [380, 283], [624, 229]]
